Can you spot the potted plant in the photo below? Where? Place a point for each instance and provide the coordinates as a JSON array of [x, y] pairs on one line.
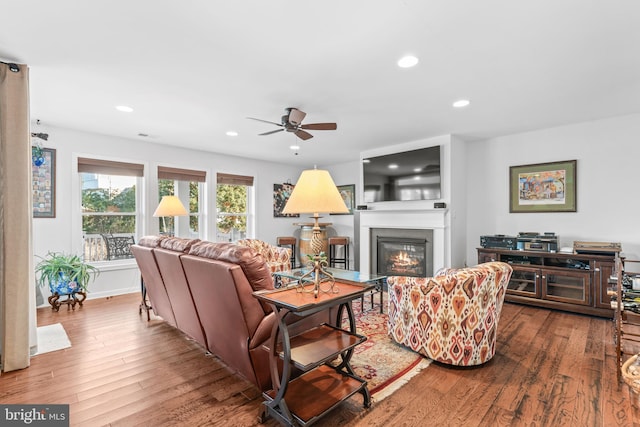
[[65, 275], [37, 155]]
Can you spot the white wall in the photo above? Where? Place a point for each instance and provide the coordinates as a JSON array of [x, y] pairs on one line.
[[345, 174], [457, 208], [608, 202], [343, 225], [57, 234]]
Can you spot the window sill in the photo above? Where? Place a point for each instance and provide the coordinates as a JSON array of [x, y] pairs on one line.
[[121, 264]]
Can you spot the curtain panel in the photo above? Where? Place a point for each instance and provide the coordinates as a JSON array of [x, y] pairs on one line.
[[17, 281]]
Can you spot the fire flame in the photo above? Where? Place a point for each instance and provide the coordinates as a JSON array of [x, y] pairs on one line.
[[403, 259]]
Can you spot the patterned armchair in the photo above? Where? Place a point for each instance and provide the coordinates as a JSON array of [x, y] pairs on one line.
[[277, 258], [451, 317]]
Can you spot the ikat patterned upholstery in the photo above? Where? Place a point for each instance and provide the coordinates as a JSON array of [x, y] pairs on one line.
[[277, 258], [453, 317]]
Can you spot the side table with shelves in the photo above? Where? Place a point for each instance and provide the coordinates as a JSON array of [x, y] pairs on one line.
[[324, 382], [563, 281]]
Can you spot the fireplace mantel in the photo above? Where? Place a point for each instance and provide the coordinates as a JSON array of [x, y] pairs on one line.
[[427, 219]]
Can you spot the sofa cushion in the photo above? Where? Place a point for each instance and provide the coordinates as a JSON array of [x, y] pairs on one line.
[[151, 241], [177, 244], [253, 264]]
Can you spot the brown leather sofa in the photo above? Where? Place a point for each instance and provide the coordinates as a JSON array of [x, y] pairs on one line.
[[205, 289]]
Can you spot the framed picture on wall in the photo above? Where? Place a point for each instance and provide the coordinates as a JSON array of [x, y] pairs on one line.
[[348, 193], [281, 193], [44, 185], [543, 187]]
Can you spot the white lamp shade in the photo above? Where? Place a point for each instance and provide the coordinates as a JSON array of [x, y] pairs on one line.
[[315, 192], [170, 206]]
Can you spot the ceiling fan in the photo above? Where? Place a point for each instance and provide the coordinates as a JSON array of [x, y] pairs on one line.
[[292, 122]]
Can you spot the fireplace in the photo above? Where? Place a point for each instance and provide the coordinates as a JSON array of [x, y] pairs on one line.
[[401, 257], [431, 222], [401, 252]]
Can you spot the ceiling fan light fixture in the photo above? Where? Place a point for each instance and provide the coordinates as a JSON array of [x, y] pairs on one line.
[[408, 61], [292, 122]]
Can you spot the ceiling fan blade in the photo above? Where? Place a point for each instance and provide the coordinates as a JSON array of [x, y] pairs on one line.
[[303, 135], [265, 121], [320, 126], [270, 132], [296, 116]]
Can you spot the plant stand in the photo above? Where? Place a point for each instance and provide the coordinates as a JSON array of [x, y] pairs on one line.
[[71, 300]]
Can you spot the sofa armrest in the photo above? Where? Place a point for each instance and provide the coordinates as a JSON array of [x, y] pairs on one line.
[[263, 331]]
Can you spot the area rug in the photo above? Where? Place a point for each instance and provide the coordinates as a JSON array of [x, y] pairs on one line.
[[385, 365], [52, 338]]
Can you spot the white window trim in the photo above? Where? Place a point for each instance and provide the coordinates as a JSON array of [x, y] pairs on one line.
[[250, 215], [76, 209]]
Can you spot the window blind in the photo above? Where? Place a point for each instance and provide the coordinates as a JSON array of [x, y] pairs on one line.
[[229, 179], [181, 174], [108, 167]]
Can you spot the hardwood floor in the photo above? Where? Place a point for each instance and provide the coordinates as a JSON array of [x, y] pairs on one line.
[[551, 369]]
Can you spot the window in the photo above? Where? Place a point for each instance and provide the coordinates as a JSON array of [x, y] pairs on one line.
[[109, 207], [188, 186], [234, 196]]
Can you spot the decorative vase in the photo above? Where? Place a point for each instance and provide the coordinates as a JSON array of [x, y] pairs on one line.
[[37, 155], [68, 288], [64, 286]]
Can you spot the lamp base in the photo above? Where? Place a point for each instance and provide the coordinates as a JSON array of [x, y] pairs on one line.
[[320, 276]]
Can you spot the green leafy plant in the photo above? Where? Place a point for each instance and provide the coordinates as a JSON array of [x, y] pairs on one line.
[[322, 257], [58, 267], [36, 151]]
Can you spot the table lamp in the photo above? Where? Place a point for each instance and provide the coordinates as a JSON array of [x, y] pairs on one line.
[[169, 206], [315, 192]]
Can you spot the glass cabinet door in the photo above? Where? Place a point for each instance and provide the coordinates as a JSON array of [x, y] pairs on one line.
[[567, 286], [524, 281], [487, 257]]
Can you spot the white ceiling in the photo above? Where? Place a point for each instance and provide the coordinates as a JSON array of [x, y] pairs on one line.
[[193, 70]]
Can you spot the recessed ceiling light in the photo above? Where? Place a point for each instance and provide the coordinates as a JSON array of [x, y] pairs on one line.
[[407, 61], [417, 169], [393, 166], [124, 108], [294, 147], [366, 161], [232, 133], [461, 103]]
